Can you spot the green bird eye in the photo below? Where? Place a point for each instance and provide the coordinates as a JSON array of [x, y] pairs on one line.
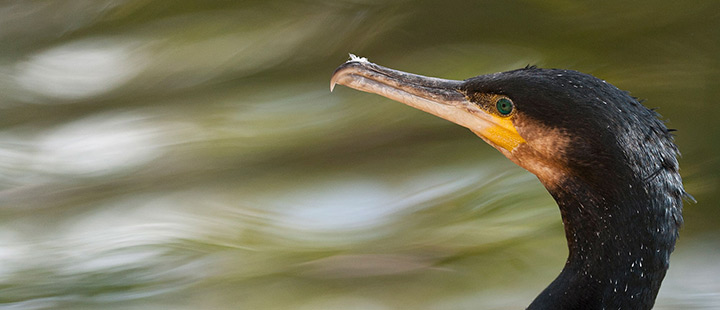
[[504, 106]]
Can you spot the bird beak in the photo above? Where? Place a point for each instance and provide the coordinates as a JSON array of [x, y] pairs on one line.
[[439, 97]]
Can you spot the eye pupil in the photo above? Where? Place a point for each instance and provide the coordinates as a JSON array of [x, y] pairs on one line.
[[504, 106]]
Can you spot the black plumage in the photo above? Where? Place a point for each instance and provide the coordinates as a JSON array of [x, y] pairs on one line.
[[609, 162]]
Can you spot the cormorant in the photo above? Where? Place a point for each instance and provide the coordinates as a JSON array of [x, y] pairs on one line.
[[607, 160]]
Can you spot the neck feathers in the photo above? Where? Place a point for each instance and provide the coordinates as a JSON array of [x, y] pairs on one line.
[[620, 235]]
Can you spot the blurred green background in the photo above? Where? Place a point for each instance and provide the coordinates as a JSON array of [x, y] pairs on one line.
[[189, 154]]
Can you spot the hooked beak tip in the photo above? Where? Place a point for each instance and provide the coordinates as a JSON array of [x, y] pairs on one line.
[[353, 61]]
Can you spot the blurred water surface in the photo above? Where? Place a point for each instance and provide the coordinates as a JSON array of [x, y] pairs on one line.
[[188, 154]]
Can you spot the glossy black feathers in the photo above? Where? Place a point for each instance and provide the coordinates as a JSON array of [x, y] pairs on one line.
[[621, 201]]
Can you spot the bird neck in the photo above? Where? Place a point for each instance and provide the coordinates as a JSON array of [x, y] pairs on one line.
[[619, 243]]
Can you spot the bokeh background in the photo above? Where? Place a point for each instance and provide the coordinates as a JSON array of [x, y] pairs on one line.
[[189, 155]]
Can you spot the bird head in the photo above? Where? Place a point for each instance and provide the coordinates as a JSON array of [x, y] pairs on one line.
[[554, 123]]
